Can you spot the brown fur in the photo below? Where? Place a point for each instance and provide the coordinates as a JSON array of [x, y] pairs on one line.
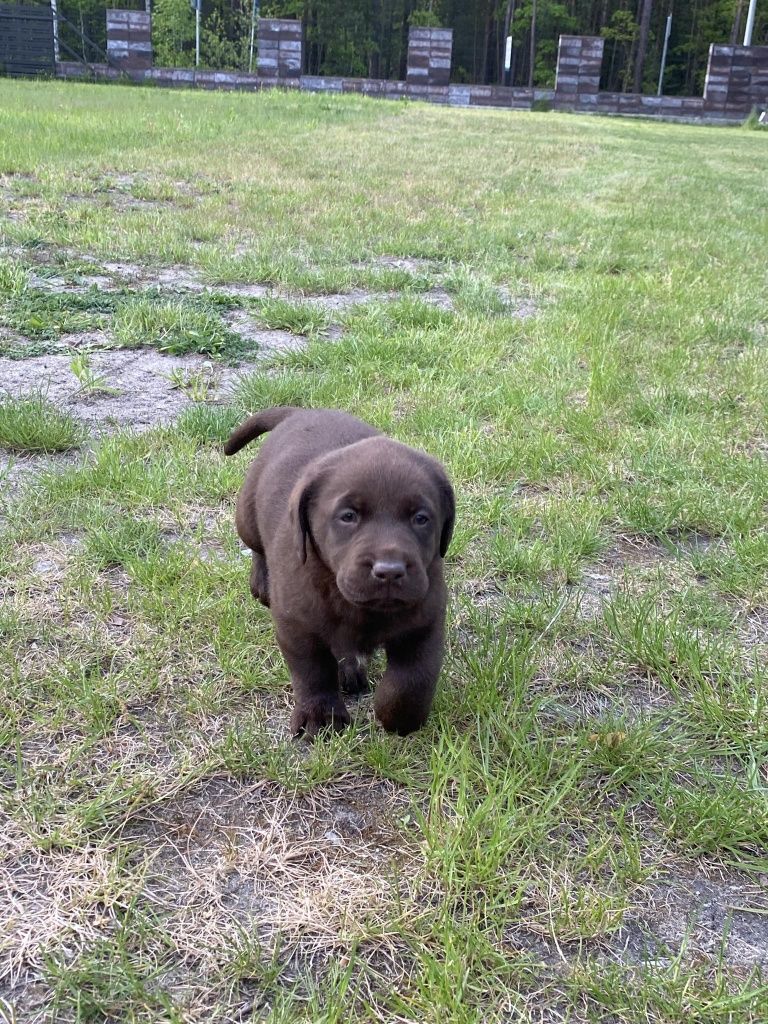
[[348, 531]]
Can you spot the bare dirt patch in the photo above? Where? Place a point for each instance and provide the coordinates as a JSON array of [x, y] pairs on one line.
[[245, 291], [338, 303], [112, 275], [19, 467], [703, 910], [754, 631], [269, 342], [235, 873], [134, 275], [314, 872], [410, 264], [600, 580], [85, 340], [145, 394], [51, 899]]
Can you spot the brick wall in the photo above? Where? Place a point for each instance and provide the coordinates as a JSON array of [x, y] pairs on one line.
[[429, 56], [737, 77], [129, 39], [281, 44], [737, 80], [647, 106], [579, 60]]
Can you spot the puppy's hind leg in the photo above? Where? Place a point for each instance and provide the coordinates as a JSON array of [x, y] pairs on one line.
[[353, 674], [248, 529], [247, 524], [260, 578]]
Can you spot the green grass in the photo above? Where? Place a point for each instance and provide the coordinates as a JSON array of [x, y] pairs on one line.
[[581, 831], [41, 316], [32, 423], [174, 326], [296, 317]]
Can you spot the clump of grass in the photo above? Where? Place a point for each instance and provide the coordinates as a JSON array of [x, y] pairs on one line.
[[108, 547], [197, 385], [115, 972], [474, 293], [409, 313], [32, 423], [44, 315], [13, 278], [753, 122], [208, 424], [296, 317], [174, 326]]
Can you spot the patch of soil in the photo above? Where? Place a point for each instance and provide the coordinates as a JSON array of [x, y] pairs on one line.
[[631, 697], [438, 297], [637, 551], [9, 337], [86, 340], [111, 275], [178, 278], [51, 284], [690, 542], [339, 302], [521, 308], [754, 629], [268, 341], [312, 869], [125, 203], [145, 396], [19, 467], [246, 291], [599, 581], [592, 592], [485, 593], [411, 264], [133, 275], [697, 908], [100, 281]]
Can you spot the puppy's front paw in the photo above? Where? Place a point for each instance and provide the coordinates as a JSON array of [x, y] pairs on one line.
[[353, 674], [311, 716]]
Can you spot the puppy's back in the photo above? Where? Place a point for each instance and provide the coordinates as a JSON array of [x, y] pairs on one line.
[[312, 431]]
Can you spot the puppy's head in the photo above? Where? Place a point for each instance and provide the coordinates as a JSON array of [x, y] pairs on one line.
[[377, 514]]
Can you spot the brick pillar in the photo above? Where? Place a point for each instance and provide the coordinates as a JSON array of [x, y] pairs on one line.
[[737, 80], [429, 56], [129, 39], [281, 44], [579, 59]]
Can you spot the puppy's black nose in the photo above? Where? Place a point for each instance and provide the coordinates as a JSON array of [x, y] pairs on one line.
[[388, 572]]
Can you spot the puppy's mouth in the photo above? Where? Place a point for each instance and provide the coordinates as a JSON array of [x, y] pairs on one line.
[[384, 599], [378, 602], [383, 604]]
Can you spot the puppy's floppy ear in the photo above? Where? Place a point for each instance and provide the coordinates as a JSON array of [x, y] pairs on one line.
[[448, 503], [301, 499]]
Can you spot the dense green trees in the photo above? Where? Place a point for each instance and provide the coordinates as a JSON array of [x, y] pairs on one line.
[[369, 37]]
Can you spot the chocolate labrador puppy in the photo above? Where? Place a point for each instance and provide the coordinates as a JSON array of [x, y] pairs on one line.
[[348, 531]]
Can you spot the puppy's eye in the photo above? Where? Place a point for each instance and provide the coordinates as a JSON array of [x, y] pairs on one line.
[[420, 519], [348, 515]]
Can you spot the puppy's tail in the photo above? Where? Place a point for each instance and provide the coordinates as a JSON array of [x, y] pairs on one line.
[[257, 424]]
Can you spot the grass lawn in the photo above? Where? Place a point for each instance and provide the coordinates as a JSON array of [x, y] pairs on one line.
[[571, 313]]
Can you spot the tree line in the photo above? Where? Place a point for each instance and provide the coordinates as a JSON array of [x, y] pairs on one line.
[[369, 38]]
